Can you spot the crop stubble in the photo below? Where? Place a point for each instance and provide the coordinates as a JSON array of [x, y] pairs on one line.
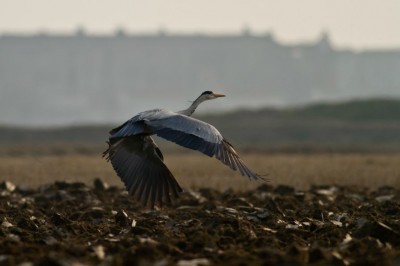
[[195, 170]]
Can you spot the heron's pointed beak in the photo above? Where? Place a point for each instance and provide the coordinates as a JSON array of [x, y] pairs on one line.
[[218, 95]]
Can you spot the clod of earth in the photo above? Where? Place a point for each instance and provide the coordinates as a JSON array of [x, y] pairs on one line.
[[66, 223]]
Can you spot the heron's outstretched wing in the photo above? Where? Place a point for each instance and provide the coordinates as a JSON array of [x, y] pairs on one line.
[[138, 162], [198, 135]]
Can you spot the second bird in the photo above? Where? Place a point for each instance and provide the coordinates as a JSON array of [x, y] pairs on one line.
[[139, 162]]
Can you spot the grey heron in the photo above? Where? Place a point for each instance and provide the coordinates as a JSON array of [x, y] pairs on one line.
[[138, 161]]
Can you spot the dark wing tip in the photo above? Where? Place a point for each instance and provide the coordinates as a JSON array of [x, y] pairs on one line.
[[156, 189], [107, 153], [262, 177], [152, 192], [227, 154]]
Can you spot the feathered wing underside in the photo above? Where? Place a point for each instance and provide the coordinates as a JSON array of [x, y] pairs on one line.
[[138, 162]]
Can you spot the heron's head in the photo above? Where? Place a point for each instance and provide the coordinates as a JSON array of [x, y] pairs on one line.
[[209, 95]]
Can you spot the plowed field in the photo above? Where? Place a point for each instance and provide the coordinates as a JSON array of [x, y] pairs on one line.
[[72, 223]]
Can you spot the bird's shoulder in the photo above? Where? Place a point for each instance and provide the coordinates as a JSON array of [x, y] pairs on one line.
[[153, 114], [136, 124]]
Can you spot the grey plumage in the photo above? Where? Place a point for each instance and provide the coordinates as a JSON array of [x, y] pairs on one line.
[[139, 162]]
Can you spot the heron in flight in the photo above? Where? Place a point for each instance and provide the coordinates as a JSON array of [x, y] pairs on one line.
[[139, 162]]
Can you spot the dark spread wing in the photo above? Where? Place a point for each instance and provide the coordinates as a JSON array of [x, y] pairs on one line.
[[198, 135], [138, 162]]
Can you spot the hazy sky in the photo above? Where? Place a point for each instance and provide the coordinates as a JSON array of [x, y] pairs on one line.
[[351, 23]]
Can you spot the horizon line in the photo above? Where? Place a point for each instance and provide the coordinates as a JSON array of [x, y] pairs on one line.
[[119, 32]]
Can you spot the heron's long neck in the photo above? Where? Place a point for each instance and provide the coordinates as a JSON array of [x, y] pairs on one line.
[[192, 107]]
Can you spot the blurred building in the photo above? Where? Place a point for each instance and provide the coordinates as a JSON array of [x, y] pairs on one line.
[[50, 79]]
